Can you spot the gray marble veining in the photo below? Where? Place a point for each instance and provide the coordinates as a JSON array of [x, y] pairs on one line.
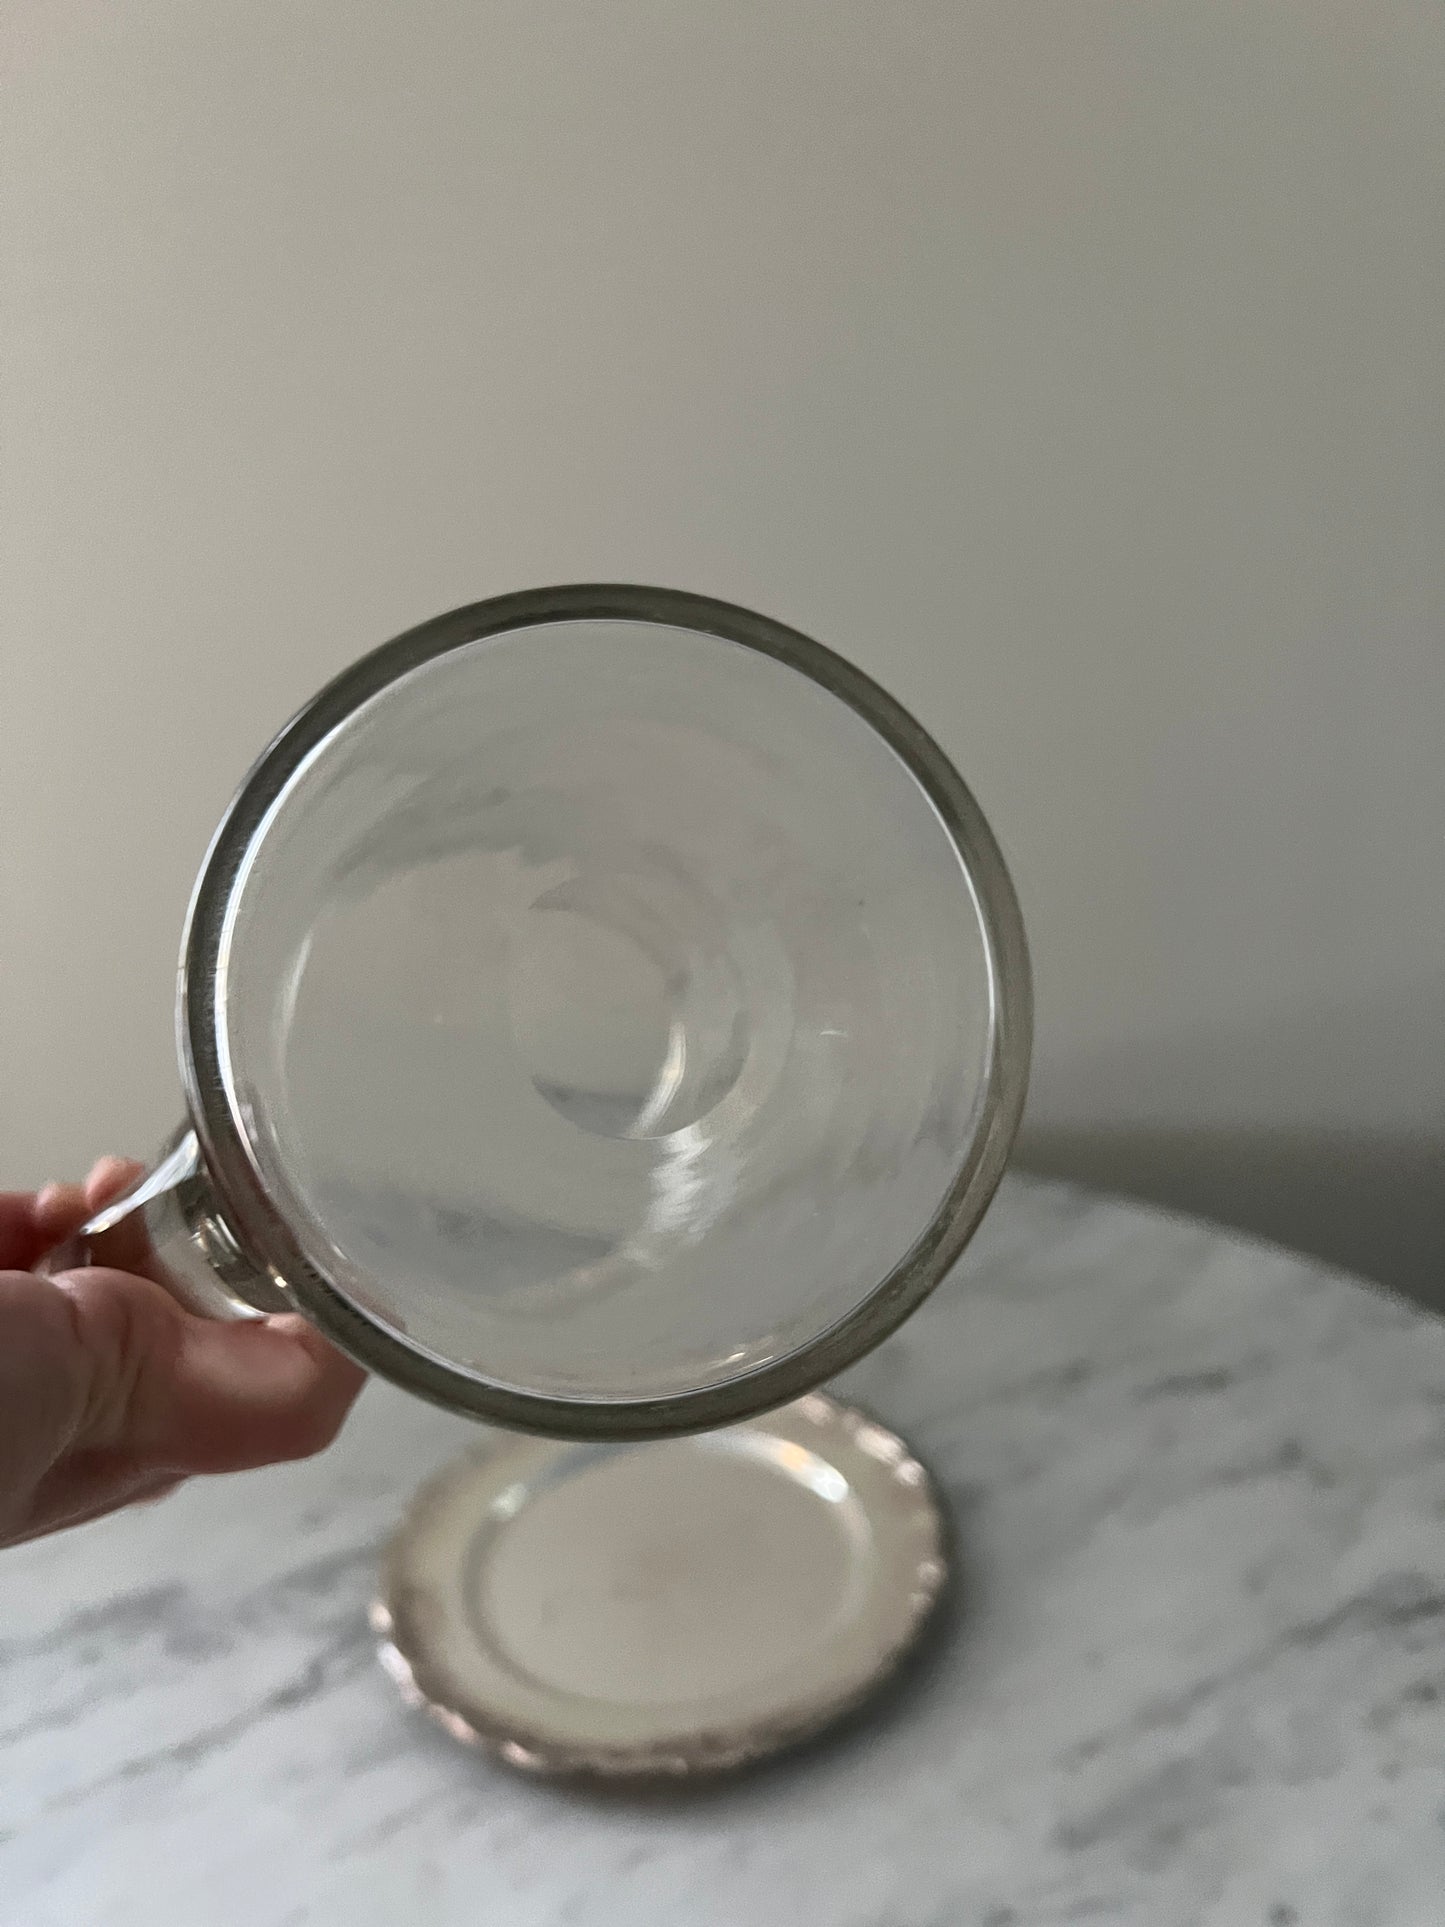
[[1195, 1672]]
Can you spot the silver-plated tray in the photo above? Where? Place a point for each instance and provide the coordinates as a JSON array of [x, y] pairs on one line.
[[666, 1609]]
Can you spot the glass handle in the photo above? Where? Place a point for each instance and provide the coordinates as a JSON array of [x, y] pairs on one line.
[[170, 1228]]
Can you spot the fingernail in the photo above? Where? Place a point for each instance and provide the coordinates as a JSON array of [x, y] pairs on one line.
[[59, 1201], [106, 1173]]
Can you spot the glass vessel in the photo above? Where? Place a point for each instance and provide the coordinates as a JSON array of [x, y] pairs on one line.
[[602, 1011]]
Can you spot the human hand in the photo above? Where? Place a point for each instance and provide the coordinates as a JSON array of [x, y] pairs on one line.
[[112, 1393]]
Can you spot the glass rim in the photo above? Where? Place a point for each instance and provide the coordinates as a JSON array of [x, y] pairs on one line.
[[263, 1233]]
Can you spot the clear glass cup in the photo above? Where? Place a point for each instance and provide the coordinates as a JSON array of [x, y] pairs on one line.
[[602, 1010]]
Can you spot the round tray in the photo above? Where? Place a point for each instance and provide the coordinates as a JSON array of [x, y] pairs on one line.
[[671, 1608]]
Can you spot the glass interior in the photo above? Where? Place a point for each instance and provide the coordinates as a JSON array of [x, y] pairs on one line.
[[607, 1009]]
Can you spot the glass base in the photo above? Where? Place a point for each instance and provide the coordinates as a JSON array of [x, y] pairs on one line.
[[674, 1608]]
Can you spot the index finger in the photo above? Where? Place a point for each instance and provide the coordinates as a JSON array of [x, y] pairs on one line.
[[33, 1222]]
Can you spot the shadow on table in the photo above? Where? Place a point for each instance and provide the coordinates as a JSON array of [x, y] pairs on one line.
[[1364, 1189], [1373, 1205]]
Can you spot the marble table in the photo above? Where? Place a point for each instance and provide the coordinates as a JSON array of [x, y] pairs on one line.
[[1195, 1671]]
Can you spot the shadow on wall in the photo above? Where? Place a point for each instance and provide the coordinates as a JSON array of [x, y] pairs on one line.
[[1356, 1189], [1371, 1205]]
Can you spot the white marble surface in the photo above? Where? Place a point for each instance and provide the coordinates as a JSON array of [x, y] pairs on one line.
[[1197, 1673]]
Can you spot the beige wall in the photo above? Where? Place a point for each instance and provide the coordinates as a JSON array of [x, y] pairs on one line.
[[1079, 369]]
